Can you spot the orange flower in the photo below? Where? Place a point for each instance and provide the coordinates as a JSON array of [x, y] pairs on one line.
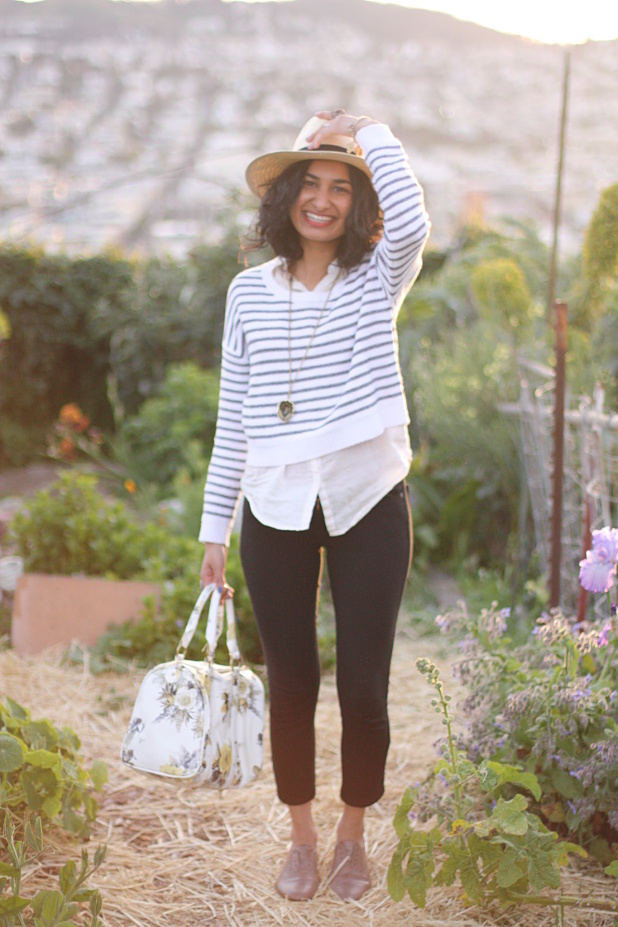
[[67, 449], [130, 486], [72, 416]]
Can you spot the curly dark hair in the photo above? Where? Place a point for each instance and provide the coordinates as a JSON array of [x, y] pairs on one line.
[[274, 226]]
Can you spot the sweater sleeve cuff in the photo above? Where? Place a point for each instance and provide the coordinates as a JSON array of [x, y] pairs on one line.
[[215, 530], [375, 135]]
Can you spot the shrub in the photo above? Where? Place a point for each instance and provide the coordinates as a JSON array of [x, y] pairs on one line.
[[52, 354], [71, 528], [50, 907], [42, 773], [173, 432], [484, 833]]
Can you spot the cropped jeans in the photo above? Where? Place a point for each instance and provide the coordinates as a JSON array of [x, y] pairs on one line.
[[367, 569]]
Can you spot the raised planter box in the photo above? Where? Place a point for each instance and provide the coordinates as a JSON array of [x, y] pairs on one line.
[[50, 610]]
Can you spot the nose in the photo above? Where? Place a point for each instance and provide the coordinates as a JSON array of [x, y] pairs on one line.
[[321, 197]]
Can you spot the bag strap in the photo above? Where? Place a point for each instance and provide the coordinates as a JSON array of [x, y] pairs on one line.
[[214, 625], [194, 618]]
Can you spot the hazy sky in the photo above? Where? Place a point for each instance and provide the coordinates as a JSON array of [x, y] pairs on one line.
[[543, 20]]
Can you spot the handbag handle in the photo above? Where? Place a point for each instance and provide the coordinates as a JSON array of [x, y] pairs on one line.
[[214, 625]]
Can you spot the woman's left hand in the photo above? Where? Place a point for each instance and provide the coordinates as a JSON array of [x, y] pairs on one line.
[[339, 123]]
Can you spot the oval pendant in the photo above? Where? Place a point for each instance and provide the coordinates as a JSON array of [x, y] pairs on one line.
[[285, 410]]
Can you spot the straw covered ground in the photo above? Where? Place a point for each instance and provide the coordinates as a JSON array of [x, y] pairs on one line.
[[188, 858]]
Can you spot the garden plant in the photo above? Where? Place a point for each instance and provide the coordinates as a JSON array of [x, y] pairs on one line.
[[533, 778], [43, 783]]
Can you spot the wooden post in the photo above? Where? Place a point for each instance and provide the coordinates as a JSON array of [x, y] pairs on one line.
[[551, 283], [558, 458]]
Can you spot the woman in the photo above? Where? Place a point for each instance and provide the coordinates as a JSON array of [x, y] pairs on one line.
[[313, 428]]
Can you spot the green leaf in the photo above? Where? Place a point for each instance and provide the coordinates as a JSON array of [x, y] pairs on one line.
[[52, 805], [11, 907], [416, 881], [34, 839], [96, 903], [401, 821], [394, 875], [40, 735], [39, 785], [456, 855], [510, 817], [67, 876], [470, 880], [494, 774], [17, 711], [99, 775], [511, 868], [565, 784], [6, 870], [542, 871], [68, 740], [45, 759], [612, 869], [48, 905], [11, 753]]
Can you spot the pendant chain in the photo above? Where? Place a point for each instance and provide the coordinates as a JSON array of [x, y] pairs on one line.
[[285, 410]]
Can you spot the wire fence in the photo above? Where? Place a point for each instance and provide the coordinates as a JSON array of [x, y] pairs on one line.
[[590, 489]]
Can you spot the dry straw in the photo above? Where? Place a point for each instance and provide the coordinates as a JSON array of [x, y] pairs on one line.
[[192, 858]]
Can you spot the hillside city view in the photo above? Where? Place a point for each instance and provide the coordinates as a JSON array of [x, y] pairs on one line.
[[130, 124]]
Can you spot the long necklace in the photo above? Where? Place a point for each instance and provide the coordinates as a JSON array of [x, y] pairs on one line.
[[285, 409]]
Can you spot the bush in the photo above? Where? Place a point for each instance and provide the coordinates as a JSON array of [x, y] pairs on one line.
[[173, 432], [549, 705], [484, 832], [50, 907], [42, 772], [71, 528], [53, 355]]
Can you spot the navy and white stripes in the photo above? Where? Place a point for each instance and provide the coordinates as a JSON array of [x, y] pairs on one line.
[[349, 388]]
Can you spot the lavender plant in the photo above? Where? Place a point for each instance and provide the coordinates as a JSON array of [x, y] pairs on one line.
[[498, 849], [551, 704], [538, 759]]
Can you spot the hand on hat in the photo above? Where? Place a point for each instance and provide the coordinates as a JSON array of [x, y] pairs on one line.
[[338, 123]]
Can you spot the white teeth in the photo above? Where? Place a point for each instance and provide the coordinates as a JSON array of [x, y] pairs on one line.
[[313, 218]]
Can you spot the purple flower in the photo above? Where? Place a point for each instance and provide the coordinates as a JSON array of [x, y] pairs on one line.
[[605, 544], [603, 639], [596, 575]]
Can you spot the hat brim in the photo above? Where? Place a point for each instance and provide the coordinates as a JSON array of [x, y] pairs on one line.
[[262, 171]]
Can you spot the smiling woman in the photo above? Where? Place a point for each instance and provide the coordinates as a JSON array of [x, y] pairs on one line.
[[312, 427]]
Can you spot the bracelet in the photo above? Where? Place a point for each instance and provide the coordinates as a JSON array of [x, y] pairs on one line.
[[354, 125]]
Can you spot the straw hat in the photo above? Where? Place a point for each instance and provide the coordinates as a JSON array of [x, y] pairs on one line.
[[263, 170]]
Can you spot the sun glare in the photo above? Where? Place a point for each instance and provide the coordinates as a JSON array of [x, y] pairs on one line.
[[542, 21]]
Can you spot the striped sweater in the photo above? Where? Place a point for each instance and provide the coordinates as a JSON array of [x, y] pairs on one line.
[[349, 388]]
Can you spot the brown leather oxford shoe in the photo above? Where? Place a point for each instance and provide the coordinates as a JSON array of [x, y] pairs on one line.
[[299, 877], [350, 872]]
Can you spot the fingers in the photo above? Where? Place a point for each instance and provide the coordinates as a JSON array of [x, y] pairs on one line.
[[338, 122], [213, 567]]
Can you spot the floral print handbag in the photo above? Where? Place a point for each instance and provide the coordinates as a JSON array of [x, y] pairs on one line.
[[199, 722]]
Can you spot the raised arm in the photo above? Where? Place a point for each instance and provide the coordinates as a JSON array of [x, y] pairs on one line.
[[406, 223]]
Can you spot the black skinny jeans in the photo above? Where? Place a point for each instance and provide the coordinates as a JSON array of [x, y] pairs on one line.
[[367, 568]]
